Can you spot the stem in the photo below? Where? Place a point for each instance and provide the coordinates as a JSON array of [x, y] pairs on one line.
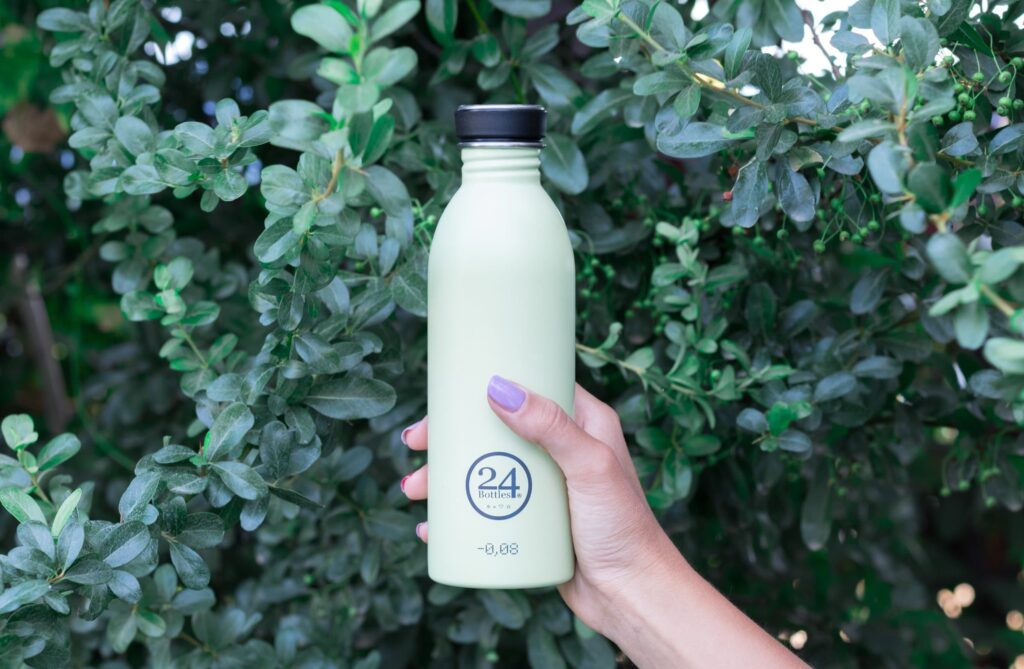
[[809, 20], [339, 162], [485, 29], [703, 80], [195, 349], [997, 300]]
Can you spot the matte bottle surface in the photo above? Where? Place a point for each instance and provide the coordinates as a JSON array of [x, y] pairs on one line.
[[501, 300]]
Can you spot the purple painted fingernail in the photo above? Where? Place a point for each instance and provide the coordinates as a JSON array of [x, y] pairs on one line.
[[406, 431], [506, 394]]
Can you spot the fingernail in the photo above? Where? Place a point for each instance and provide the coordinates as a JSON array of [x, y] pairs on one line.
[[419, 529], [406, 431], [404, 479], [508, 395]]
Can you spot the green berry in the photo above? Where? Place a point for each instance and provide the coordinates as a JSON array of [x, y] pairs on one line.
[[716, 374], [820, 172], [738, 231], [820, 213], [1017, 201], [873, 225], [982, 210], [958, 87], [945, 492], [857, 238], [759, 241], [1003, 111], [978, 77], [990, 502], [1005, 101], [954, 116], [844, 236], [970, 115], [963, 98], [937, 120], [792, 55], [819, 246], [782, 234], [875, 197], [947, 61], [1005, 76], [1018, 104], [837, 204], [1017, 62]]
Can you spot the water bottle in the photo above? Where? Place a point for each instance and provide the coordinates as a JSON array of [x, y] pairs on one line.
[[501, 301]]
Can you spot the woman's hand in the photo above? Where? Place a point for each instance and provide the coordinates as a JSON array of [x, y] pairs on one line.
[[631, 584]]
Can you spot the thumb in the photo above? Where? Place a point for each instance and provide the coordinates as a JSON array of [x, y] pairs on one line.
[[541, 421]]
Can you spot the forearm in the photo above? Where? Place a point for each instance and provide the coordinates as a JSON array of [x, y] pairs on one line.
[[670, 617]]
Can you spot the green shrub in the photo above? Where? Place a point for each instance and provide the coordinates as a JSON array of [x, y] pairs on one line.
[[800, 292]]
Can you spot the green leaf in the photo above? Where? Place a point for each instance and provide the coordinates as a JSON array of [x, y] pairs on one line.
[[386, 67], [394, 18], [228, 431], [816, 514], [887, 164], [752, 420], [99, 109], [202, 530], [198, 138], [931, 187], [598, 108], [19, 431], [868, 291], [1001, 265], [324, 25], [738, 44], [125, 543], [795, 195], [58, 450], [390, 524], [541, 648], [351, 397], [190, 566], [948, 256], [134, 134], [1005, 354], [21, 594], [750, 191], [277, 241], [795, 441], [442, 16], [138, 495], [878, 367], [62, 20], [527, 9], [89, 571], [964, 186], [409, 290], [508, 608], [229, 185], [834, 386], [562, 162], [21, 506], [970, 323], [920, 41], [63, 515], [241, 479], [1010, 138], [696, 140], [885, 17]]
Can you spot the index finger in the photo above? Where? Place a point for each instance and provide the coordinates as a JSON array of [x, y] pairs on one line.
[[415, 436]]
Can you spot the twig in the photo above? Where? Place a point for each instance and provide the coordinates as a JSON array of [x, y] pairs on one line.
[[809, 20]]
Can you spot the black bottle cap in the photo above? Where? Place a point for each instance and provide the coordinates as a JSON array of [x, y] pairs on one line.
[[500, 125]]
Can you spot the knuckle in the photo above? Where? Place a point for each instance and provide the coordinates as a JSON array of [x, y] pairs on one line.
[[549, 419]]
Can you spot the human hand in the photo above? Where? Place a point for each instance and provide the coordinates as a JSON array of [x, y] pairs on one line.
[[631, 584], [615, 535]]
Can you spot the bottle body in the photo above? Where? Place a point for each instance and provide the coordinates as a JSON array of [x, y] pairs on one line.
[[501, 300]]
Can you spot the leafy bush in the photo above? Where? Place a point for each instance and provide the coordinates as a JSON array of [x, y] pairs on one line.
[[800, 292]]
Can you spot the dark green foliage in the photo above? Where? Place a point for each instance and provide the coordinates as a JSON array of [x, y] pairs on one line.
[[801, 294]]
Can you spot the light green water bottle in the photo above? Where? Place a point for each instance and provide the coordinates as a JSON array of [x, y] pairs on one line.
[[501, 301]]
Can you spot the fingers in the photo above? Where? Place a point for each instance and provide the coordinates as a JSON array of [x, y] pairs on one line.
[[541, 421], [602, 422], [415, 485], [415, 436], [421, 531]]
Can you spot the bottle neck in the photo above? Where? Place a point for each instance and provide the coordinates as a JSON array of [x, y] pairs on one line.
[[517, 164]]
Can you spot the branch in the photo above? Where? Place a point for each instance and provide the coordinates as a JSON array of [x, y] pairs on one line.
[[809, 20]]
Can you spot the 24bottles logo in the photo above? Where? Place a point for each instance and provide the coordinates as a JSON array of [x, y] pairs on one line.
[[498, 485]]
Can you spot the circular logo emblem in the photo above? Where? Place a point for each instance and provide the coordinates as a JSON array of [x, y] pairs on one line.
[[498, 485]]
